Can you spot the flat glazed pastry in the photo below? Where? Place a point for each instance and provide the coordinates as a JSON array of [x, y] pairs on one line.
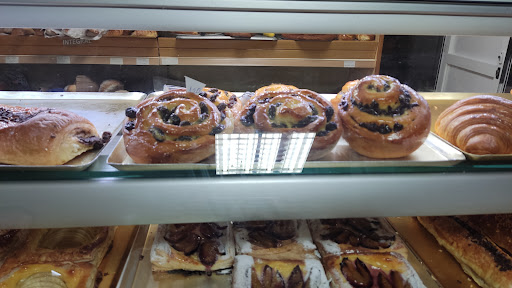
[[193, 247], [383, 118], [255, 272], [42, 136], [372, 270], [355, 235], [487, 263], [54, 275], [301, 110], [317, 37], [479, 125], [275, 240], [64, 245], [175, 127]]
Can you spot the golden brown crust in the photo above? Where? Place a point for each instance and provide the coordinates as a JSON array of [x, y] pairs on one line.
[[314, 37], [164, 257], [347, 37], [144, 34], [64, 245], [479, 125], [39, 136], [155, 138], [377, 263], [302, 111], [497, 227], [349, 85], [79, 275], [484, 261], [383, 118], [240, 35], [365, 37], [274, 87]]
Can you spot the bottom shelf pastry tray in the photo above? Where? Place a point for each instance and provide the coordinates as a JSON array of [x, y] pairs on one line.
[[445, 269], [137, 272]]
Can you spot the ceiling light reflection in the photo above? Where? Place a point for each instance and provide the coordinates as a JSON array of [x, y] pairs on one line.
[[262, 152]]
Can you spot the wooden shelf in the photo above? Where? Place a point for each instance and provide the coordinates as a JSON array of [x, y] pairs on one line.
[[172, 51]]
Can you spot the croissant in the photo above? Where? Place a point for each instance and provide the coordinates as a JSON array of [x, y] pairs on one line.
[[383, 118], [479, 125], [175, 127], [41, 136], [284, 110]]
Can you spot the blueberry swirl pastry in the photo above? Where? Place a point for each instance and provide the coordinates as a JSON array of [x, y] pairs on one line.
[[383, 118], [372, 270], [286, 111], [175, 127]]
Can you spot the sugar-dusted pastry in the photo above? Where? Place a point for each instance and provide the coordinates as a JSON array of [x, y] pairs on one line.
[[479, 256], [480, 125], [65, 245], [355, 235], [383, 118], [175, 127], [286, 111], [279, 240], [255, 272], [52, 274], [371, 270], [43, 136], [193, 247]]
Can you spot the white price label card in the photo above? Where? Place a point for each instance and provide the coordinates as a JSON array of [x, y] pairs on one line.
[[63, 60], [142, 61], [12, 59], [349, 64], [116, 61], [193, 85]]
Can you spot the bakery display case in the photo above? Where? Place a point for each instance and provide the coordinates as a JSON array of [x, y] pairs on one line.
[[283, 181]]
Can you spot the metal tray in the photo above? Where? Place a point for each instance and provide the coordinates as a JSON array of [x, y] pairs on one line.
[[104, 110], [478, 157], [137, 271], [434, 152], [445, 269]]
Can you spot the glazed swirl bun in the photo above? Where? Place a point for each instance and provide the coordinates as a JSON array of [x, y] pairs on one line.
[[218, 97], [336, 101], [274, 88], [175, 127], [383, 118], [298, 110]]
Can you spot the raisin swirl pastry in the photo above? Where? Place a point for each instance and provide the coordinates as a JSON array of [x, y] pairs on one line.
[[301, 110], [480, 125], [175, 127], [224, 100], [383, 118]]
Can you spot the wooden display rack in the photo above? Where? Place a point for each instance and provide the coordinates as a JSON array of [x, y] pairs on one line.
[[350, 54], [172, 51], [40, 50]]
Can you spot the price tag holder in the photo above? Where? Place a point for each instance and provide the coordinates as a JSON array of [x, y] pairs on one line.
[[193, 85]]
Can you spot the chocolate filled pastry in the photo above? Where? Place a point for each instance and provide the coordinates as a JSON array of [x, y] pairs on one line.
[[275, 240], [287, 111], [383, 118], [54, 275], [488, 263], [64, 245], [175, 127], [193, 247], [255, 272], [371, 270], [355, 235], [479, 125], [311, 37], [42, 136]]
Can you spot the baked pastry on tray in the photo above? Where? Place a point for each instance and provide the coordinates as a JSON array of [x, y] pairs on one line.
[[282, 109], [67, 245], [175, 127], [255, 272], [42, 136], [193, 247], [489, 264], [65, 275], [10, 240], [275, 240], [480, 125], [355, 235], [383, 118], [371, 270]]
